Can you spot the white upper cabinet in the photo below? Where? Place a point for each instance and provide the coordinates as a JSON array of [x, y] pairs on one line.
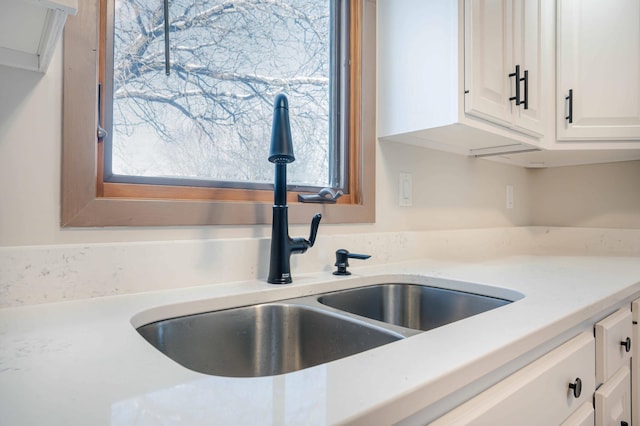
[[30, 29], [503, 58], [443, 73], [488, 60], [598, 70], [490, 78]]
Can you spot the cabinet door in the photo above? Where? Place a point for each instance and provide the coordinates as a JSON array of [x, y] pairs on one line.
[[613, 400], [527, 53], [635, 364], [488, 60], [598, 59], [504, 36], [538, 394], [612, 349]]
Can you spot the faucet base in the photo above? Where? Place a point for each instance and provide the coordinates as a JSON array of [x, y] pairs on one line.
[[284, 279], [279, 267]]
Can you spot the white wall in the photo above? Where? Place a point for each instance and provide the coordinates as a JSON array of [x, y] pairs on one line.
[[449, 191], [598, 195]]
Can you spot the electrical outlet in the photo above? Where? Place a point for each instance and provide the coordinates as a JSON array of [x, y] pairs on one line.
[[405, 191]]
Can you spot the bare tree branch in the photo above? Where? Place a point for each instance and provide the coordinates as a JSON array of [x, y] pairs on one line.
[[229, 59]]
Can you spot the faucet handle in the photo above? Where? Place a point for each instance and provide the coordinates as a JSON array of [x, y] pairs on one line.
[[342, 260], [300, 244], [315, 223]]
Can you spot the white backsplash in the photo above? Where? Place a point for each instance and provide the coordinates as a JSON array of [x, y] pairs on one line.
[[45, 274]]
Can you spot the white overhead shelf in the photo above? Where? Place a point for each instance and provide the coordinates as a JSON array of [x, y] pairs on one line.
[[29, 30]]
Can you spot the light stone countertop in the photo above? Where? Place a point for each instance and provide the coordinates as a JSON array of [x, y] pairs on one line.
[[83, 363]]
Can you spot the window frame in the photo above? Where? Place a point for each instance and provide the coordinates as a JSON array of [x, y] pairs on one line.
[[338, 92], [88, 201]]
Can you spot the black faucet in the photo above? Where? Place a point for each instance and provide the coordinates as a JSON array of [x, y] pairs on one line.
[[281, 153]]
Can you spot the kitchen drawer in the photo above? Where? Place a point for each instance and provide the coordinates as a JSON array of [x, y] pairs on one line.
[[612, 334], [613, 400], [538, 394]]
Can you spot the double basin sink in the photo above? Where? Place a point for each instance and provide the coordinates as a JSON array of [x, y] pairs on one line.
[[290, 335]]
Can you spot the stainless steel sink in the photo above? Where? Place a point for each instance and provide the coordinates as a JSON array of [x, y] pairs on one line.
[[285, 336], [262, 340], [412, 306]]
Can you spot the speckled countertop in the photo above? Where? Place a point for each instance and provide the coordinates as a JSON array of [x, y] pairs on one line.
[[82, 362]]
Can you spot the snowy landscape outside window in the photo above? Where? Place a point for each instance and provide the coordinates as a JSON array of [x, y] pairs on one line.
[[208, 122]]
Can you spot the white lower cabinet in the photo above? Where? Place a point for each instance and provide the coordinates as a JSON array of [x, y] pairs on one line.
[[613, 344], [613, 400], [545, 392], [593, 379], [583, 416], [635, 364], [614, 348]]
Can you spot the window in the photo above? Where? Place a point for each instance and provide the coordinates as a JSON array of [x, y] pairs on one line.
[[213, 110], [191, 100]]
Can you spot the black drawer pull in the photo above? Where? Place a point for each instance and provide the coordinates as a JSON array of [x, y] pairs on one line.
[[577, 387]]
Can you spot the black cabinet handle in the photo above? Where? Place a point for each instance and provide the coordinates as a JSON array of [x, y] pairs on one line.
[[577, 387], [517, 76], [570, 99], [526, 89], [623, 423], [626, 344], [525, 100]]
